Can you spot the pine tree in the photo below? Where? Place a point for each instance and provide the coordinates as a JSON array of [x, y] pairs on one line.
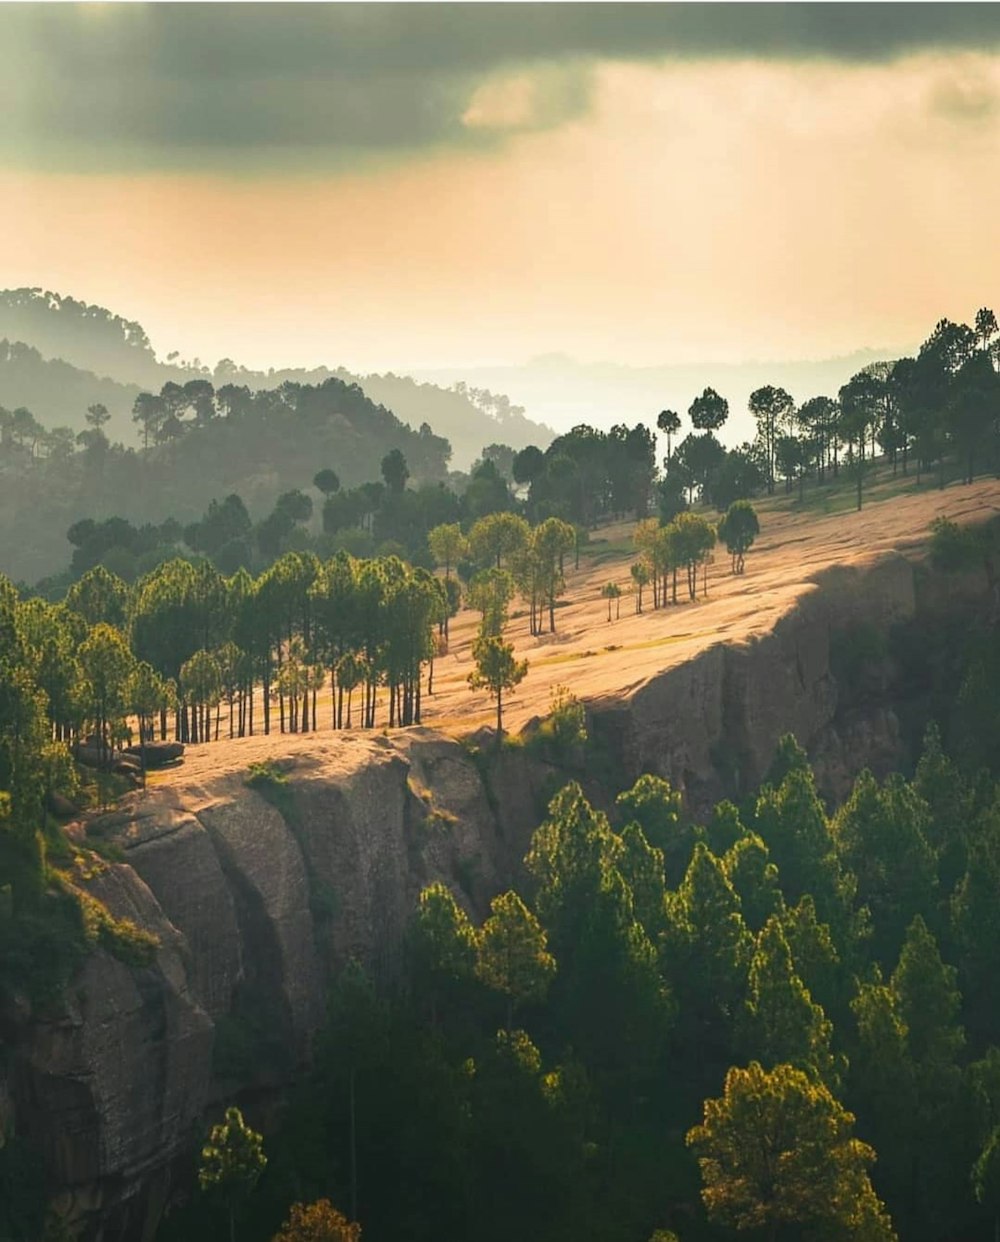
[[641, 865], [231, 1163], [926, 1000], [755, 879], [783, 1023], [881, 835], [444, 945], [776, 1151], [707, 949], [513, 957], [793, 824]]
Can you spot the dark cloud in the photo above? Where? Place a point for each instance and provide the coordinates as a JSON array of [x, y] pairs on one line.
[[965, 101], [183, 84]]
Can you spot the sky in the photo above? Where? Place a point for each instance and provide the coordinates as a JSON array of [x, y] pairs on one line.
[[416, 186]]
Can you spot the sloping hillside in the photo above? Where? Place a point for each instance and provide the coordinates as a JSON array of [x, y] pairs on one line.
[[88, 337], [58, 393]]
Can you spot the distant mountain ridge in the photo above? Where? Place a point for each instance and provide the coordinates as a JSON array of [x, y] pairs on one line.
[[62, 355], [90, 338]]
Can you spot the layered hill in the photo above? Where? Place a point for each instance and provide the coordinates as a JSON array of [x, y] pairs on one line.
[[59, 394], [58, 355], [258, 447]]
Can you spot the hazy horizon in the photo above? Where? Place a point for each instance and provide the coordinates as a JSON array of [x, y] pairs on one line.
[[425, 188]]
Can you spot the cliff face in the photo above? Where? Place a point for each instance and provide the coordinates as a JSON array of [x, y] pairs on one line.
[[259, 890], [711, 725], [255, 894]]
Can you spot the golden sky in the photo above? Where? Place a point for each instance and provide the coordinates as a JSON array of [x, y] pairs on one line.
[[641, 209]]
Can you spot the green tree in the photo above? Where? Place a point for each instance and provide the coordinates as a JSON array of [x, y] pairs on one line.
[[752, 874], [444, 946], [784, 1024], [351, 673], [772, 409], [498, 537], [641, 865], [974, 907], [96, 416], [231, 1163], [587, 908], [794, 825], [881, 836], [696, 462], [906, 1075], [691, 540], [883, 1082], [928, 1102], [640, 578], [107, 664], [669, 422], [147, 695], [776, 1153], [817, 960], [513, 958], [326, 481], [150, 412], [861, 400], [985, 327], [791, 460], [201, 688], [709, 411], [707, 950], [973, 405], [395, 471], [655, 806], [551, 540], [490, 593], [528, 464], [496, 671], [738, 530], [448, 546], [23, 738], [98, 596]]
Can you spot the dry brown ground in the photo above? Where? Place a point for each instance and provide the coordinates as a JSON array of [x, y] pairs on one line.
[[594, 658]]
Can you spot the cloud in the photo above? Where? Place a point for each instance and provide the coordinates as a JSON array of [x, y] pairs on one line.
[[966, 99], [231, 85]]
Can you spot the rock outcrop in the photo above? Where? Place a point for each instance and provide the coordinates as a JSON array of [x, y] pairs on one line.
[[711, 724], [257, 890]]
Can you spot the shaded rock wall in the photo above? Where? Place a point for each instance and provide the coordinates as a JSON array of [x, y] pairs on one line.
[[257, 895], [711, 724]]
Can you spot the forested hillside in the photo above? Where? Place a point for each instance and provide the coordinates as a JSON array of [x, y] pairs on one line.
[[469, 418], [59, 393], [204, 445], [88, 337], [61, 355]]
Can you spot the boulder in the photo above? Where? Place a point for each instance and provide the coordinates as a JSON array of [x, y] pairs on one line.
[[61, 806], [158, 754]]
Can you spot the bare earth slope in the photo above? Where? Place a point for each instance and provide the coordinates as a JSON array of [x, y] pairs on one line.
[[596, 659], [604, 664]]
